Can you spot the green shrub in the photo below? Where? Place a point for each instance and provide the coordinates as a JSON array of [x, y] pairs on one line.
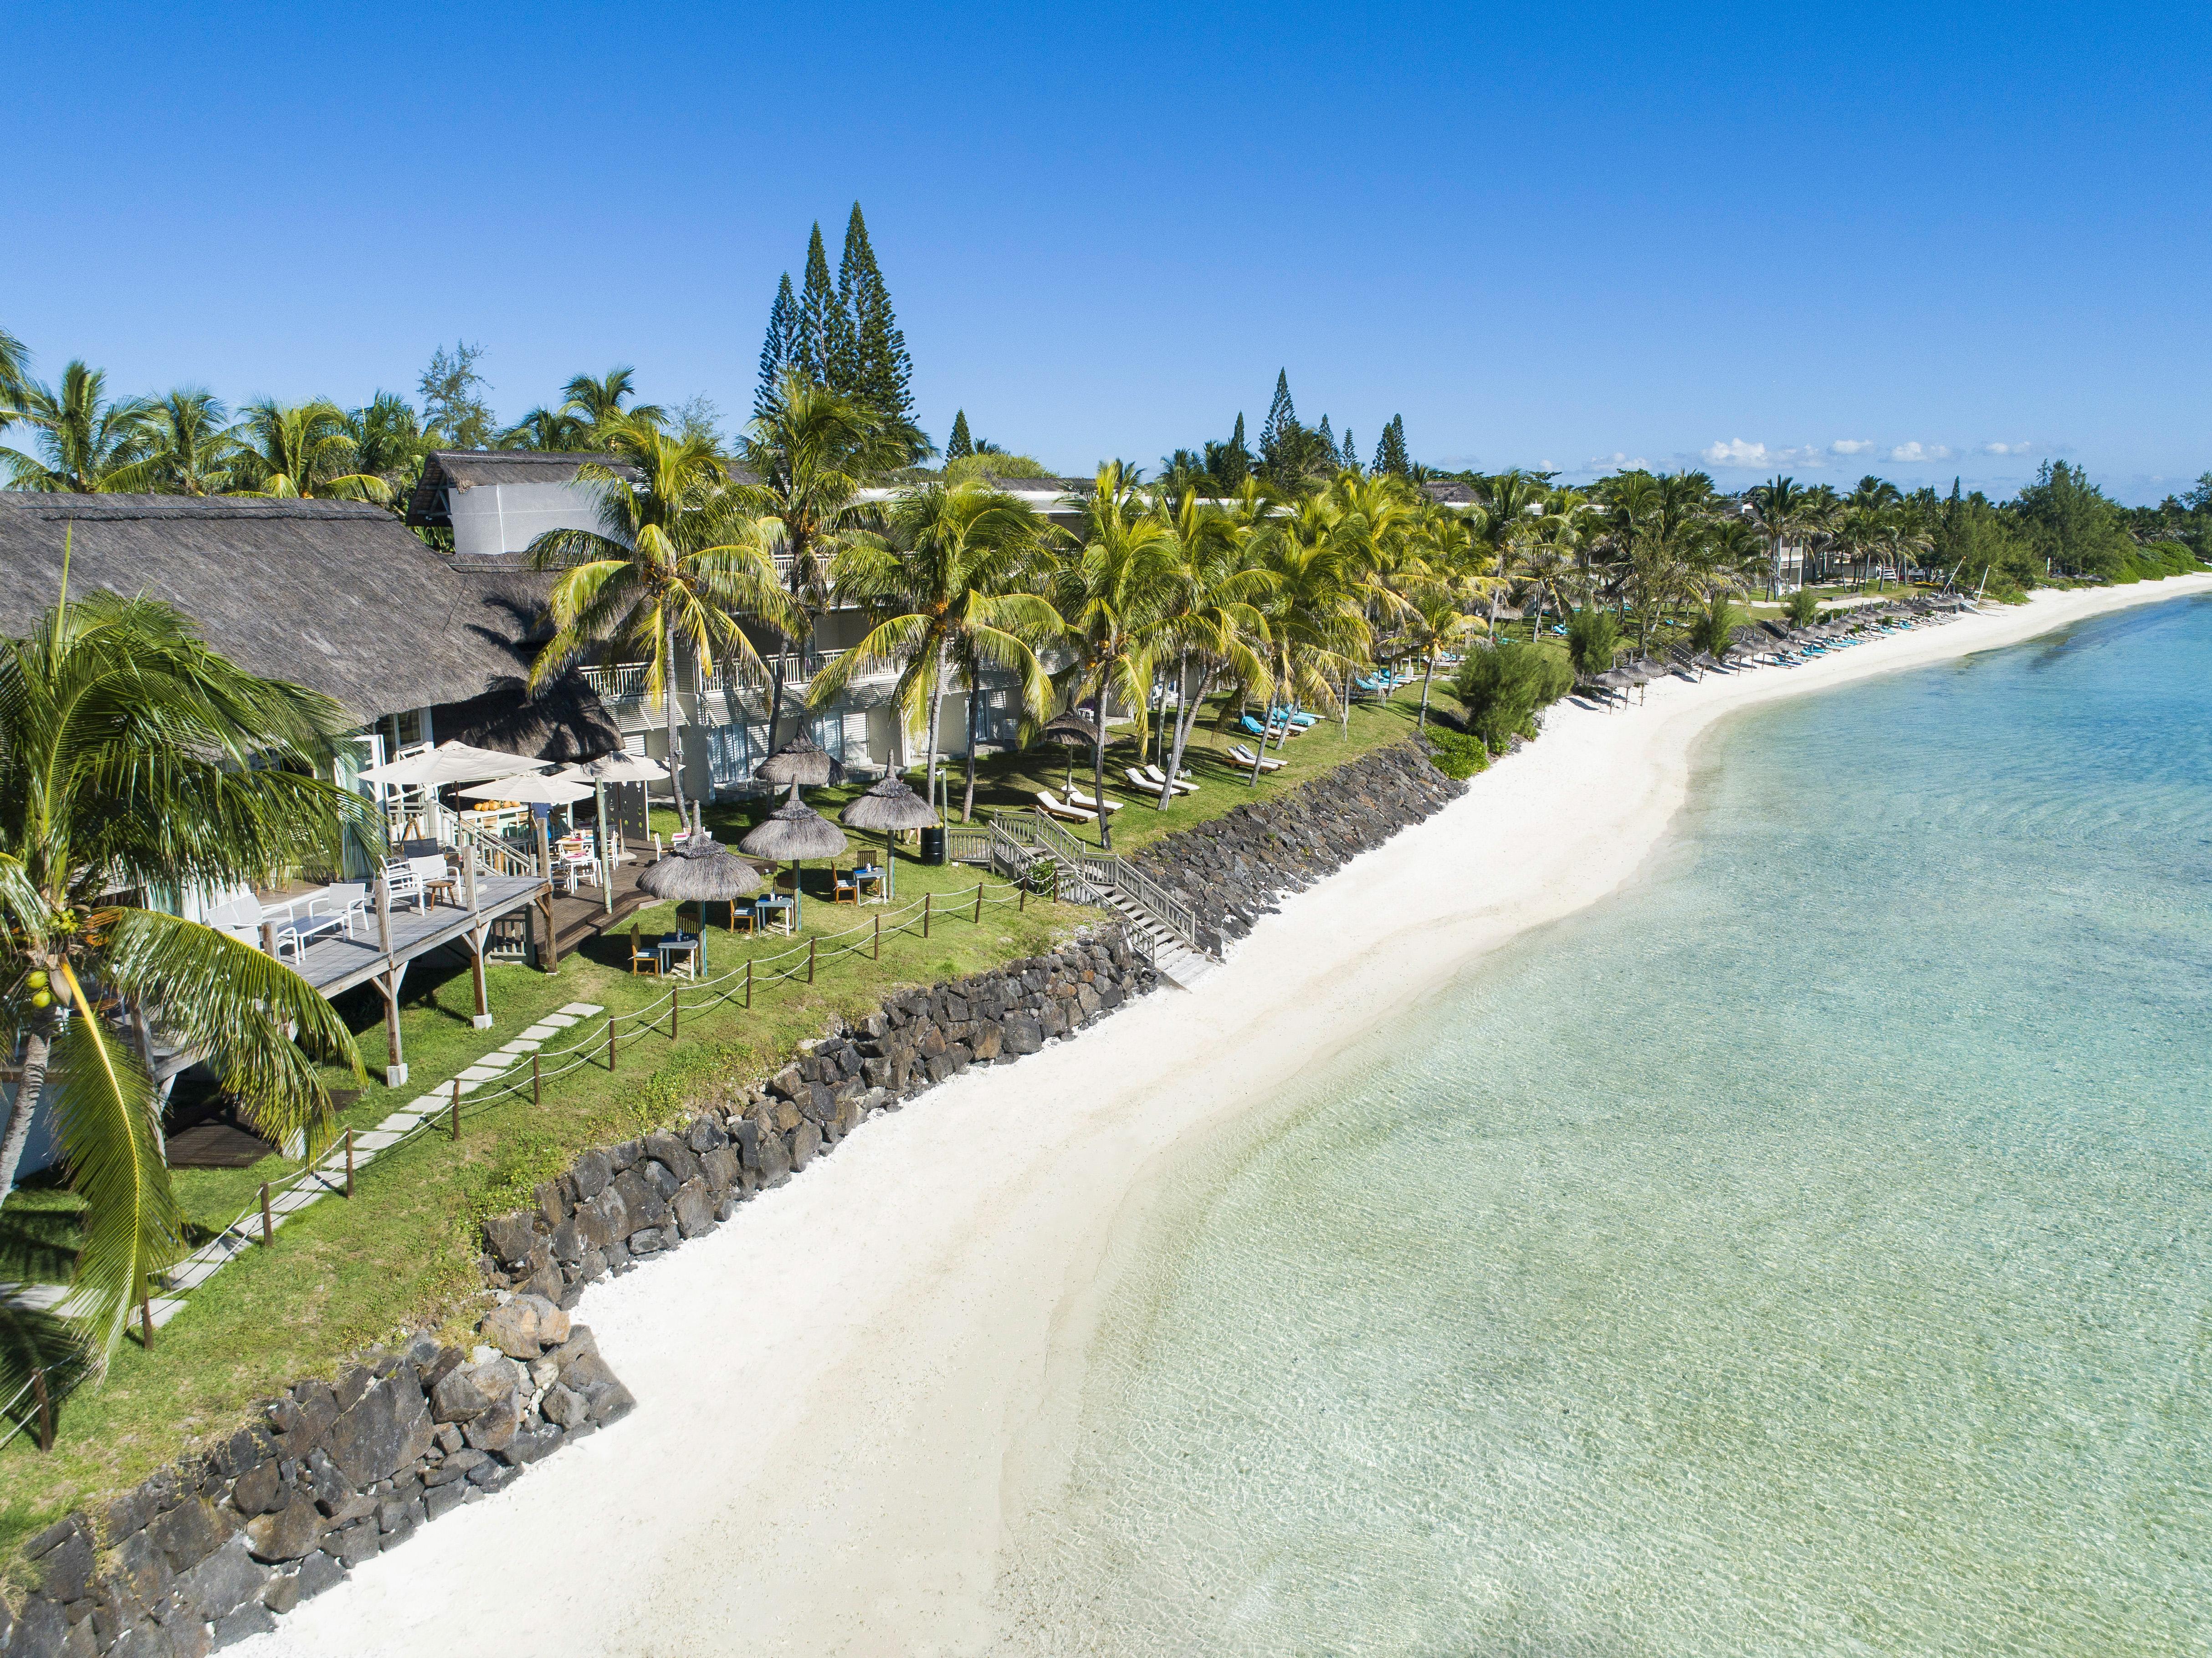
[[1593, 635], [1713, 629], [1456, 753], [1804, 608], [1502, 690]]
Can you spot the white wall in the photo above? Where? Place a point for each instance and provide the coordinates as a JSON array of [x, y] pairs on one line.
[[506, 517]]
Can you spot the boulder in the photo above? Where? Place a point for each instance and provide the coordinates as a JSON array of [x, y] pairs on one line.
[[289, 1533], [318, 1572], [458, 1398], [513, 1328], [386, 1431], [592, 1172], [509, 1238], [187, 1534], [65, 1566], [694, 1209], [225, 1581], [563, 1408], [674, 1155], [246, 1621], [494, 1429]]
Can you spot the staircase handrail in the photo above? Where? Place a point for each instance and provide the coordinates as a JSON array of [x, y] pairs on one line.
[[494, 856], [1105, 871]]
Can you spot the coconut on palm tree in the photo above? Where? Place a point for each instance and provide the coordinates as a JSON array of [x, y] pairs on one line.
[[675, 568], [85, 442], [302, 451], [946, 585], [135, 761]]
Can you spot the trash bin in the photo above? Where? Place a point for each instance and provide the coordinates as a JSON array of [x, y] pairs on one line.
[[933, 844]]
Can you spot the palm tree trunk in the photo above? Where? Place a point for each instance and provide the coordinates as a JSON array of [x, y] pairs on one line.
[[936, 712], [1098, 777], [36, 1045], [668, 704], [967, 801], [1173, 758], [1428, 674]]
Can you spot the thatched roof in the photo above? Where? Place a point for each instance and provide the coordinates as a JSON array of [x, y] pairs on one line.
[[1070, 728], [566, 721], [803, 762], [706, 874], [334, 594], [794, 833], [888, 807]]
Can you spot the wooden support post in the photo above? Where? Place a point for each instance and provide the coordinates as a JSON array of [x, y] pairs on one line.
[[749, 984], [348, 1162], [482, 1020], [46, 1409], [1022, 887], [978, 917], [537, 1082], [268, 1221], [610, 1044], [146, 1318], [810, 960], [925, 916], [269, 937], [676, 1005], [879, 938], [454, 1110]]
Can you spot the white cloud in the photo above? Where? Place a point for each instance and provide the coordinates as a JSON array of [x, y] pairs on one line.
[[1852, 445], [1619, 461], [2025, 446], [1916, 451], [1736, 455]]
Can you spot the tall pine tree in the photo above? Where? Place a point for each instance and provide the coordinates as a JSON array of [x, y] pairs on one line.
[[1351, 451], [776, 351], [881, 370], [1229, 464], [1390, 451], [1327, 443], [1282, 420], [824, 329], [959, 445]]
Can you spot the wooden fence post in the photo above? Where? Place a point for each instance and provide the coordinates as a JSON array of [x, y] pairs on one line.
[[675, 1007], [457, 1107], [925, 916], [537, 1082], [268, 1222], [810, 960], [610, 1044], [749, 984], [146, 1318], [879, 938], [348, 1162], [978, 917], [46, 1409], [1022, 903]]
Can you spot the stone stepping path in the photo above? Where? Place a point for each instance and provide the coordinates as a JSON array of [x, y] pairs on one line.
[[56, 1299], [328, 1177]]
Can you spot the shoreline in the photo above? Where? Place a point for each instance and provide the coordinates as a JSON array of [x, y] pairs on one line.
[[847, 1393]]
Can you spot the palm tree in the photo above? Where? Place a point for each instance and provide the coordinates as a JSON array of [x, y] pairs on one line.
[[1781, 508], [1213, 617], [302, 451], [1115, 592], [676, 563], [1713, 629], [1438, 620], [1316, 608], [193, 445], [1504, 503], [553, 431], [389, 442], [810, 453], [133, 759], [945, 586], [87, 445], [597, 402], [14, 374]]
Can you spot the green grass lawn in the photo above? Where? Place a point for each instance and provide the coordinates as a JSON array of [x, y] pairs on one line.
[[402, 1253]]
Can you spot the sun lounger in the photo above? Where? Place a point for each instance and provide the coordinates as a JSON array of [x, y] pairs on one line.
[[1054, 806], [1154, 777], [1243, 757], [1083, 802]]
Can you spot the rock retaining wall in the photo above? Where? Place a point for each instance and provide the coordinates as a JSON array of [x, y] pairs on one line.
[[1232, 870], [332, 1475]]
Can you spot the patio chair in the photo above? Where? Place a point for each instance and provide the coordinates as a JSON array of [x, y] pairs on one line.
[[434, 875], [1053, 807], [844, 887], [642, 954], [405, 882]]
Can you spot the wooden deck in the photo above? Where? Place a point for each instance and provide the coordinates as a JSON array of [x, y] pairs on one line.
[[580, 916], [335, 962]]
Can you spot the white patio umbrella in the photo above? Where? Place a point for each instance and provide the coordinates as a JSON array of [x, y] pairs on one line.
[[450, 762], [605, 769], [533, 790]]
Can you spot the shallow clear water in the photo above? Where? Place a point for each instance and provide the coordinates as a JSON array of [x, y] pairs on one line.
[[1809, 1251]]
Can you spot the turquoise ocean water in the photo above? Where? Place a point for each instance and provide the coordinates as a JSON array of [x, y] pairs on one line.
[[1808, 1251]]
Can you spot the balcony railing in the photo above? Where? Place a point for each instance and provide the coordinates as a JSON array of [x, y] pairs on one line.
[[624, 682]]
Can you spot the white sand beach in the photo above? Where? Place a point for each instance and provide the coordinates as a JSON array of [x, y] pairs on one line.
[[845, 1393]]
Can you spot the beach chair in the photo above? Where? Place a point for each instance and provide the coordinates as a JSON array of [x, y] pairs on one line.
[[1053, 806], [1243, 757], [1183, 785], [1083, 802]]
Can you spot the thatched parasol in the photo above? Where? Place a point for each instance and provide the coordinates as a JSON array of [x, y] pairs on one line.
[[791, 834], [889, 808], [700, 873], [1072, 732], [803, 763]]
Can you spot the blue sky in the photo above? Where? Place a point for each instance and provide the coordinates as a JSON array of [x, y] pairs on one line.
[[1919, 241]]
